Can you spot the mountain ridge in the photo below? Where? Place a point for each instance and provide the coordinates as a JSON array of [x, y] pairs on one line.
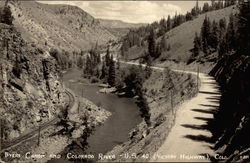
[[63, 26]]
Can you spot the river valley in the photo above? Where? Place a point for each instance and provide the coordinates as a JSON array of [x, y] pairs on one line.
[[125, 114]]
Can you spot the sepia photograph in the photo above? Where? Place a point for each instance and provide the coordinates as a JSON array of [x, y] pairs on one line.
[[87, 81]]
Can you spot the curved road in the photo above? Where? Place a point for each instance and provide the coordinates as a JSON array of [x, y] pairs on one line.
[[33, 133], [189, 139]]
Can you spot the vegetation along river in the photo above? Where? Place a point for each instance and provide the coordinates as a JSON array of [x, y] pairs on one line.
[[125, 114]]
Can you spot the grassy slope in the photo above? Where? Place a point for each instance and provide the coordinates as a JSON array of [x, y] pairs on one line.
[[66, 27], [181, 38]]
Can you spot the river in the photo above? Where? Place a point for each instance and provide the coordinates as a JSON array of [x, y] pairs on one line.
[[125, 114]]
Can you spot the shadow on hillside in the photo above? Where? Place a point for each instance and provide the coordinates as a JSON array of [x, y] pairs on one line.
[[211, 106], [199, 138], [206, 92], [217, 98], [211, 111], [197, 127], [203, 119]]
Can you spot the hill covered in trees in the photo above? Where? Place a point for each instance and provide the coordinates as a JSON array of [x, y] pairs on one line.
[[172, 38]]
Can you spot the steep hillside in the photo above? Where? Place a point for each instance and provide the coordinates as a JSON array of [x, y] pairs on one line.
[[181, 37], [31, 93], [231, 124], [62, 26]]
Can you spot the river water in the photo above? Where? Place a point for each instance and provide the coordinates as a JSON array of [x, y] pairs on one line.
[[125, 114]]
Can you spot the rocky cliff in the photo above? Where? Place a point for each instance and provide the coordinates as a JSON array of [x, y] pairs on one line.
[[30, 89]]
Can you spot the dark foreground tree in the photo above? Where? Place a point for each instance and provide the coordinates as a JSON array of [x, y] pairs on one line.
[[243, 29]]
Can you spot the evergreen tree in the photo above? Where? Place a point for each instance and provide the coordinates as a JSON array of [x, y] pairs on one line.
[[163, 27], [215, 35], [205, 7], [144, 108], [148, 69], [152, 44], [223, 48], [197, 45], [189, 16], [80, 62], [169, 23], [205, 35], [107, 57], [103, 71], [243, 29], [231, 35], [223, 27], [111, 75]]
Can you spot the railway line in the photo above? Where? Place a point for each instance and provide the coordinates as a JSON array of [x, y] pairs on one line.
[[25, 137]]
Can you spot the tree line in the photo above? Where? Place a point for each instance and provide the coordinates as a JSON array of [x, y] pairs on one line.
[[215, 36], [149, 34]]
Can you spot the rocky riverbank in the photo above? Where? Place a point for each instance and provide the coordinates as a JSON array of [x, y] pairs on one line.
[[55, 141]]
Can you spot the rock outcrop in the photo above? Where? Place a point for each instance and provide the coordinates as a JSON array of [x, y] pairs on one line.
[[30, 90]]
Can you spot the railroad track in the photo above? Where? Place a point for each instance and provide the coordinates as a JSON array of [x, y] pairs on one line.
[[33, 133]]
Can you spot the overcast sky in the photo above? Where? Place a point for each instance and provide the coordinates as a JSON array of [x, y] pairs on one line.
[[132, 11]]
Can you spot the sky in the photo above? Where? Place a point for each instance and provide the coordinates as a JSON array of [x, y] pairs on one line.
[[132, 11]]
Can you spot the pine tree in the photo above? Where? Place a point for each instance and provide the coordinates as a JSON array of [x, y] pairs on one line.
[[223, 48], [103, 71], [231, 33], [111, 75], [205, 35], [215, 35], [163, 27], [169, 23], [152, 44], [107, 57], [148, 69], [197, 45], [205, 8], [223, 27]]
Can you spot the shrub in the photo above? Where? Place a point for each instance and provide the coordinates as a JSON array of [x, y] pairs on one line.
[[94, 80]]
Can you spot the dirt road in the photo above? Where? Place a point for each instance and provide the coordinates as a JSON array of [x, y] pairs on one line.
[[189, 139]]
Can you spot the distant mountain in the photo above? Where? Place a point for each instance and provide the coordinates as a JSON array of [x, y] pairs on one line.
[[61, 26], [119, 28], [119, 24]]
